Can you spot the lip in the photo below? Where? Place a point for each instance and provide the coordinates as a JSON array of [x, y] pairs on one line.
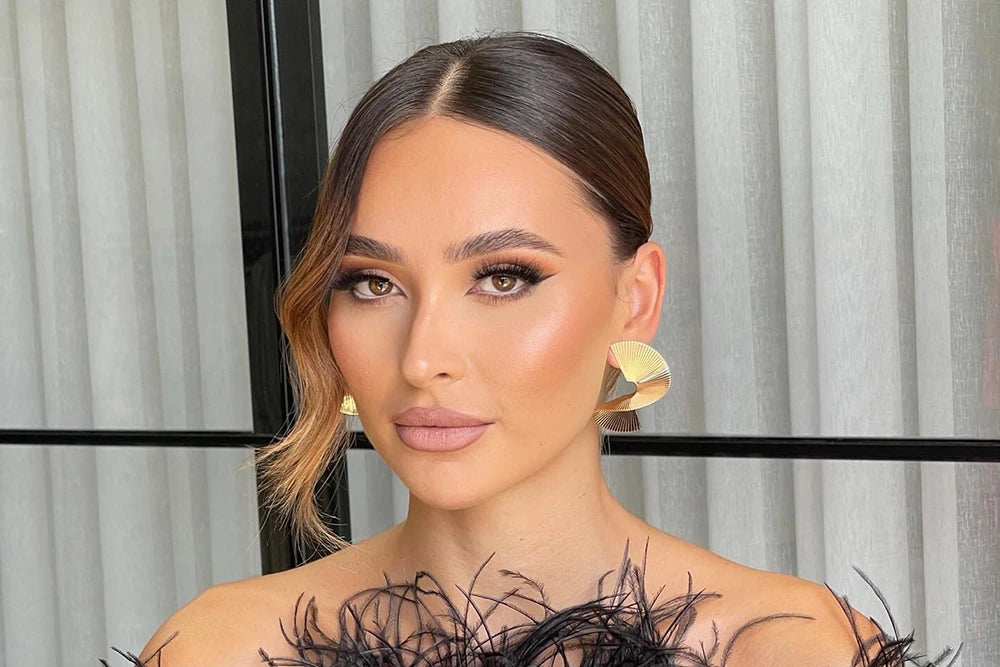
[[439, 438], [438, 429], [417, 416]]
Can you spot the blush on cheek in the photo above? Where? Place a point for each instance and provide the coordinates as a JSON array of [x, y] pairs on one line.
[[554, 369], [349, 353]]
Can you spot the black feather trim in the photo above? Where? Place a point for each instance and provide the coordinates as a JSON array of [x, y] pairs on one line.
[[620, 629]]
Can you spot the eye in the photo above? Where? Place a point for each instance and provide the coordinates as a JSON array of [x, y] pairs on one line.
[[501, 286], [504, 276], [378, 286]]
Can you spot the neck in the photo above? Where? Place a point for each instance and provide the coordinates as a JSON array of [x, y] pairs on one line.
[[561, 527]]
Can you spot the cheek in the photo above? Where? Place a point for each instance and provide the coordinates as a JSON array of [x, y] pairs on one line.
[[339, 345], [555, 364], [350, 353]]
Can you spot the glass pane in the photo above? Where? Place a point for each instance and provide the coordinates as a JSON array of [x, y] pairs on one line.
[[123, 299], [99, 545]]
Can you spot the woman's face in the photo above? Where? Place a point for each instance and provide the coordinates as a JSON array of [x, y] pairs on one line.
[[472, 332]]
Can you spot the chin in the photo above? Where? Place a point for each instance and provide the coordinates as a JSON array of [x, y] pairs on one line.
[[449, 487], [447, 498]]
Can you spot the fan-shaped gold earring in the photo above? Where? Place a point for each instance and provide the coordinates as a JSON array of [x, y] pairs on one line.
[[347, 406], [643, 365]]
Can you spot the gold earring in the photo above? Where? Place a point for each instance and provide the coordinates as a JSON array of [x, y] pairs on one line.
[[643, 365], [347, 406]]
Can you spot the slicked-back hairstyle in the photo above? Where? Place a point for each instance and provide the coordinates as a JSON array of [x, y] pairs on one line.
[[538, 88]]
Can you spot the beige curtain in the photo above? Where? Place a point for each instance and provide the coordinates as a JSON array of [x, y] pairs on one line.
[[122, 308], [825, 186]]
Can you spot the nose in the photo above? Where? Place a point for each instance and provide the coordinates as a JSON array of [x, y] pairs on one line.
[[433, 351]]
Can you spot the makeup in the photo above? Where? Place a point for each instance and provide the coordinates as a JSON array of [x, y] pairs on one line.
[[439, 438]]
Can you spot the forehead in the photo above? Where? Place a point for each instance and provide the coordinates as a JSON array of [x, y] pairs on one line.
[[438, 178]]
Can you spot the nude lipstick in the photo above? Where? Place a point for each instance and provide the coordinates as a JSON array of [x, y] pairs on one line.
[[438, 429]]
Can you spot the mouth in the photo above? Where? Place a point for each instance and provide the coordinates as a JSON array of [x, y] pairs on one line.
[[439, 438]]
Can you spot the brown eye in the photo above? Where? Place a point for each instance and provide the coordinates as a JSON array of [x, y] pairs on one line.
[[503, 282], [508, 280], [386, 286]]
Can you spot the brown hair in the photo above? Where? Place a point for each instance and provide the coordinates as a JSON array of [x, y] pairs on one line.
[[536, 87]]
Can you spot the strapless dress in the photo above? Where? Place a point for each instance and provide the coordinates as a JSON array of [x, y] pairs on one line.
[[620, 628]]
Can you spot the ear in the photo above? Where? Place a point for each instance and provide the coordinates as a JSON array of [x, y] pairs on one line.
[[643, 285]]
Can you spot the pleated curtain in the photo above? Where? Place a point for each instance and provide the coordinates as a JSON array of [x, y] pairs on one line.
[[121, 302], [826, 190]]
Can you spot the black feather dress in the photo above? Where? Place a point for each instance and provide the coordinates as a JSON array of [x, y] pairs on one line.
[[623, 628]]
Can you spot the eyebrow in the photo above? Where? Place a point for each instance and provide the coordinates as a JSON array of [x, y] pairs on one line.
[[480, 244]]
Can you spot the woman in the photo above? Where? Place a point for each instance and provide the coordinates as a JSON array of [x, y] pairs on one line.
[[478, 258]]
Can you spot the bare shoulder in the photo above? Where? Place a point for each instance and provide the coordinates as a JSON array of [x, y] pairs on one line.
[[238, 623], [793, 621], [206, 630], [752, 617]]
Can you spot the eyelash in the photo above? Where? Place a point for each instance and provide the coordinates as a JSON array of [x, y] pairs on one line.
[[526, 271]]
